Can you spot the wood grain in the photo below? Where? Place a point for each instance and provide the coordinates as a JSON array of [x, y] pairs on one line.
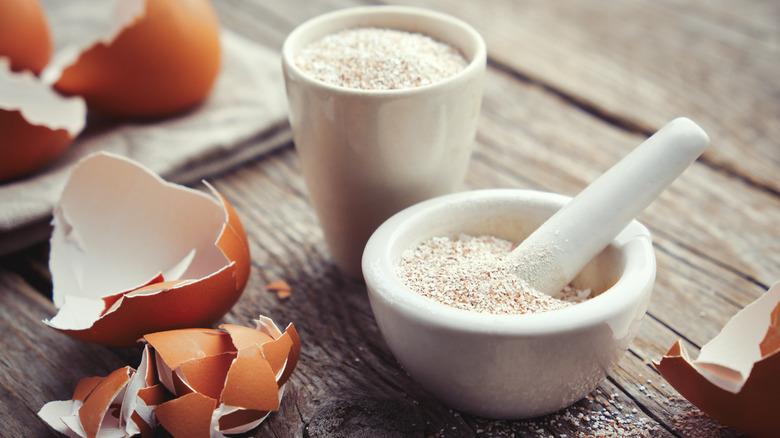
[[572, 87], [639, 64], [39, 364]]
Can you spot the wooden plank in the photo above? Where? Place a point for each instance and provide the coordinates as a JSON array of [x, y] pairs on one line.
[[38, 363], [532, 134], [269, 22], [528, 140], [639, 64]]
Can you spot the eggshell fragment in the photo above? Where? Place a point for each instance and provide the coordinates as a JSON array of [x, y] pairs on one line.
[[281, 288], [220, 381], [144, 394], [196, 407], [132, 254], [119, 405], [735, 378], [37, 124], [243, 380], [25, 37], [162, 57], [96, 406], [93, 408]]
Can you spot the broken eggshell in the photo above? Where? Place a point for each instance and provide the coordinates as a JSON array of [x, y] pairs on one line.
[[193, 382], [735, 377], [36, 124], [235, 375], [120, 404], [133, 254], [25, 37], [159, 58]]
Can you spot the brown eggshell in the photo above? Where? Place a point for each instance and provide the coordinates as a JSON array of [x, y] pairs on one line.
[[162, 62], [187, 416], [223, 382], [251, 383], [745, 397], [101, 398], [110, 245], [206, 375], [265, 323], [282, 353], [771, 342], [233, 242], [238, 420], [144, 428], [85, 386], [244, 337], [243, 369], [146, 422], [120, 404], [281, 350], [25, 37], [142, 395], [177, 346], [37, 125]]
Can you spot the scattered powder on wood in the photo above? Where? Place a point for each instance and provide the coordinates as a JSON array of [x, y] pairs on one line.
[[471, 273], [589, 418], [371, 58], [693, 423]]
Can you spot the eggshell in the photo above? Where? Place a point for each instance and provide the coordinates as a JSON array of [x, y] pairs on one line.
[[156, 63], [97, 404], [735, 378], [248, 381], [274, 353], [244, 337], [85, 386], [243, 379], [143, 394], [132, 254], [224, 382], [281, 288], [94, 408], [25, 37], [37, 124], [177, 346], [187, 416]]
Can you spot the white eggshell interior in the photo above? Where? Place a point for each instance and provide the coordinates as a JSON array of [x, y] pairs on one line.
[[118, 225], [736, 347], [38, 103]]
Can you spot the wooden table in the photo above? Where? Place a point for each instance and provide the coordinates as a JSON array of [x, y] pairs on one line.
[[572, 87]]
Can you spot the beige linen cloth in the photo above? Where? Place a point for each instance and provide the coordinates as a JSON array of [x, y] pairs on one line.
[[244, 117]]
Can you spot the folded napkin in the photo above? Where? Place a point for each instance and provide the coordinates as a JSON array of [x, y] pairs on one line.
[[244, 117]]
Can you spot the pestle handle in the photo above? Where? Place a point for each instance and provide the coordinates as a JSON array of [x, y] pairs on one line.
[[558, 250]]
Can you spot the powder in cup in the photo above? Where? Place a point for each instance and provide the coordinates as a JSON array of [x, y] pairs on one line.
[[371, 58]]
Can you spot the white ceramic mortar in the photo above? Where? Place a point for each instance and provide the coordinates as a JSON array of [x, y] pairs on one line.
[[507, 366]]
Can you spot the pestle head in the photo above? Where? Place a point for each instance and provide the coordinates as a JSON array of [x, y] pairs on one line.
[[556, 252]]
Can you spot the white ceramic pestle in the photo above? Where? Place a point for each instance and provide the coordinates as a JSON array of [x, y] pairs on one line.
[[556, 252]]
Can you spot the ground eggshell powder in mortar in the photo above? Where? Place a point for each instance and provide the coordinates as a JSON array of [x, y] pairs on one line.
[[469, 273], [371, 58]]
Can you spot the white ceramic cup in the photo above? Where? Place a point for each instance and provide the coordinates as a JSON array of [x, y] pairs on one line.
[[366, 154], [507, 366]]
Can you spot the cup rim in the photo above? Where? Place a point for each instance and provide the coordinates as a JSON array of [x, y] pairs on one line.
[[381, 278], [475, 65]]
